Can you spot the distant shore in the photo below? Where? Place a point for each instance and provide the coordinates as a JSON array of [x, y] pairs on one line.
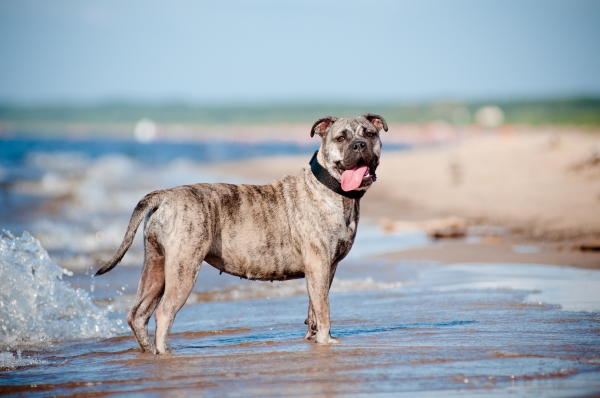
[[565, 111]]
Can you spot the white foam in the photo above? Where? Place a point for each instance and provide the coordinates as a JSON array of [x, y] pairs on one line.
[[358, 285], [574, 289], [82, 238], [64, 163], [92, 200], [36, 306], [249, 290], [8, 360]]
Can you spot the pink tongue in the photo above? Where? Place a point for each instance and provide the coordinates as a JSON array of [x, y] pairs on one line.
[[352, 178]]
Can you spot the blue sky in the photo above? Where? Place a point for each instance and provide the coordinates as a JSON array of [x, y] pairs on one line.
[[234, 51]]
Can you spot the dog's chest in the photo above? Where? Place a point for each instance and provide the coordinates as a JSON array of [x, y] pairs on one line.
[[348, 223], [349, 226]]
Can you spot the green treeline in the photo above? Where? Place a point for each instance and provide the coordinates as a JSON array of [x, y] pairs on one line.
[[583, 111]]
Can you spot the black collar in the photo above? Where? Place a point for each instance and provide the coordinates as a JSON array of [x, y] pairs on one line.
[[326, 179]]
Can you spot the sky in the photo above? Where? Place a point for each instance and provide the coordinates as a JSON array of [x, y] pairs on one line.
[[275, 51]]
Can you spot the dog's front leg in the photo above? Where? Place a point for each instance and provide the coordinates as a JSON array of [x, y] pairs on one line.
[[317, 283], [310, 319]]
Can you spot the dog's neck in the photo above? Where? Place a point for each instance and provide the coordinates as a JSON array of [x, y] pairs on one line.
[[327, 179]]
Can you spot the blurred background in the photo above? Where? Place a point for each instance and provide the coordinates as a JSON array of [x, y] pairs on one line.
[[103, 101], [101, 66]]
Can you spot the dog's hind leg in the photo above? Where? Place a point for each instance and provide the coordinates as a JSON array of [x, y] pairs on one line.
[[150, 290], [310, 322], [181, 271]]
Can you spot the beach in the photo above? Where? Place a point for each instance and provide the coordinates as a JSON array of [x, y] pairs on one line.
[[474, 273]]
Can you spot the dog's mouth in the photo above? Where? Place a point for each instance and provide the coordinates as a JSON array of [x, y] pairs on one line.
[[353, 177]]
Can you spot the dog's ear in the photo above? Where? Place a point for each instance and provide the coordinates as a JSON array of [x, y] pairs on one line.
[[322, 125], [377, 121]]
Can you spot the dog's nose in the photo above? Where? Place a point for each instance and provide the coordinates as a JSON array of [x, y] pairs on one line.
[[359, 145]]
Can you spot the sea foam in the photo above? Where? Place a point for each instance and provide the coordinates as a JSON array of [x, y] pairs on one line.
[[37, 306]]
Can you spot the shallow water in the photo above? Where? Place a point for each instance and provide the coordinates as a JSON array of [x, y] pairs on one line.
[[413, 336], [411, 328]]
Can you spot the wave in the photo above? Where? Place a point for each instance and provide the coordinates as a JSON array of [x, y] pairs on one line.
[[251, 290], [9, 361], [255, 290], [36, 306]]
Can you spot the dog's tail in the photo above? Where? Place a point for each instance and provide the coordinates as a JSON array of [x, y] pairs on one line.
[[148, 203]]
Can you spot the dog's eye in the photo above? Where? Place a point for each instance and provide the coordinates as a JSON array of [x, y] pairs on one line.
[[370, 135], [341, 138]]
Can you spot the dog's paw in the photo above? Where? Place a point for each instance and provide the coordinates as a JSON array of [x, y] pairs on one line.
[[332, 340], [148, 349], [326, 340], [163, 351]]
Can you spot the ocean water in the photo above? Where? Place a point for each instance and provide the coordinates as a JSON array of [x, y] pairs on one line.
[[408, 328]]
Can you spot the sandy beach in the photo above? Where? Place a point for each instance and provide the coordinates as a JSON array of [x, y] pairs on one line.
[[512, 186], [460, 281]]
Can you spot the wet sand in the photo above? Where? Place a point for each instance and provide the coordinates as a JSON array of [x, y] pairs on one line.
[[446, 330], [496, 251]]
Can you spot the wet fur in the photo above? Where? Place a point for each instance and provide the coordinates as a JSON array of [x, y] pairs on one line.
[[293, 228]]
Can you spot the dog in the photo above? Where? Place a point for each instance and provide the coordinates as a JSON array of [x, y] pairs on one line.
[[301, 226]]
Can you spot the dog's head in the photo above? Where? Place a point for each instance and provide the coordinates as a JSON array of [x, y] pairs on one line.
[[350, 148]]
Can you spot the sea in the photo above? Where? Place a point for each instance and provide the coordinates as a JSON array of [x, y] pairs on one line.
[[411, 328]]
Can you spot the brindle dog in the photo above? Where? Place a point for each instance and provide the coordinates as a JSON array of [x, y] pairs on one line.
[[293, 228]]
